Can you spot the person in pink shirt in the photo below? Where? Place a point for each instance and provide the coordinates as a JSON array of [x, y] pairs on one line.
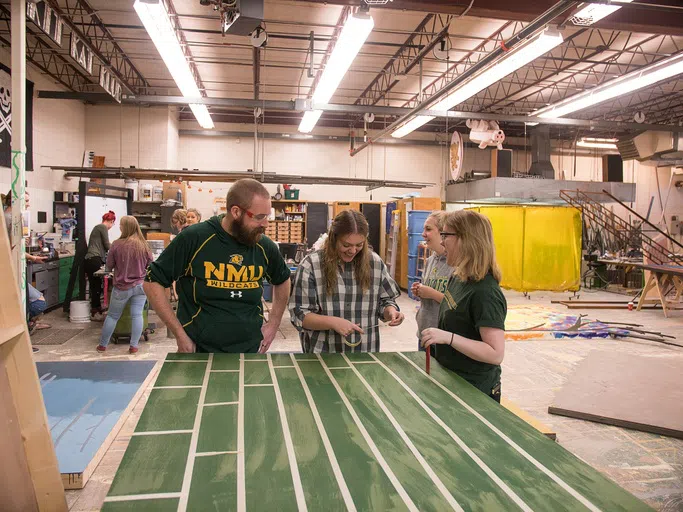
[[129, 257]]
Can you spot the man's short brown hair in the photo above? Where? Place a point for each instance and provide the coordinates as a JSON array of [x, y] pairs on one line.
[[243, 191]]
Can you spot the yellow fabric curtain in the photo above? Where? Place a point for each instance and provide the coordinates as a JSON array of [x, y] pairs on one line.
[[537, 247]]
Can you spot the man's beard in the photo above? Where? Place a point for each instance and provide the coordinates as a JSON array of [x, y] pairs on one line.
[[244, 235]]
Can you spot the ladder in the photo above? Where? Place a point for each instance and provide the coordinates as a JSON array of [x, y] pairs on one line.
[[392, 246]]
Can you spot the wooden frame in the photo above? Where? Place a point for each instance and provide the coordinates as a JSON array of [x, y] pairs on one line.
[[29, 474]]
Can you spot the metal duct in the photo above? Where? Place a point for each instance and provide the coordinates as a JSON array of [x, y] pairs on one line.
[[652, 146], [540, 153]]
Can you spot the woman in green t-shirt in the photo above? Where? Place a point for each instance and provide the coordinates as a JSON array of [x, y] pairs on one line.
[[470, 340]]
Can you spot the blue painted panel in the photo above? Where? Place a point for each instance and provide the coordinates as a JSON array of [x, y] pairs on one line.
[[84, 400]]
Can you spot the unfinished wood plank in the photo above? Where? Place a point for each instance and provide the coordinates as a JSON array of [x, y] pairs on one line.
[[630, 391], [522, 414], [16, 491], [16, 358], [9, 333]]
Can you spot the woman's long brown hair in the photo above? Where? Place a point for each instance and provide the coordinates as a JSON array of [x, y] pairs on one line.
[[348, 222], [132, 234]]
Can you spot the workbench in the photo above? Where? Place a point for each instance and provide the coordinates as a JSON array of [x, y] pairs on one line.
[[357, 431], [661, 276]]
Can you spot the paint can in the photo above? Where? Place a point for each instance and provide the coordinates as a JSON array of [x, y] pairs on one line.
[[630, 306], [79, 312]]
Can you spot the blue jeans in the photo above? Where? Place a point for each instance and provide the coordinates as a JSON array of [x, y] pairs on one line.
[[119, 299], [36, 307]]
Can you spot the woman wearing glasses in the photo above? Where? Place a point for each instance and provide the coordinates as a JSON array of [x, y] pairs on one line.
[[435, 276], [343, 291], [470, 339]]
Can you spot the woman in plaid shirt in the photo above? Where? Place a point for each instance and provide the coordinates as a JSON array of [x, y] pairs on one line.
[[342, 291]]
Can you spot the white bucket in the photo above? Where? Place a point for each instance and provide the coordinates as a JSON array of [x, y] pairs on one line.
[[79, 311], [132, 184]]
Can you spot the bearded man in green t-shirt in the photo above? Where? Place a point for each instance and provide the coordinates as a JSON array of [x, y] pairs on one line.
[[219, 267]]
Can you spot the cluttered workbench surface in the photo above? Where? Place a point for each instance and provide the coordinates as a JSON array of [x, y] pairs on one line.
[[352, 431]]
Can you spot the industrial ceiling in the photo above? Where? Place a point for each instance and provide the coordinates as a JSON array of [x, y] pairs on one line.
[[415, 50]]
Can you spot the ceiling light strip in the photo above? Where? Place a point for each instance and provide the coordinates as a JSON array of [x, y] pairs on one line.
[[520, 57], [157, 22], [628, 83], [354, 34]]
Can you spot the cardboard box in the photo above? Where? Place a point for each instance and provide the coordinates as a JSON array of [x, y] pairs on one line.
[[171, 191]]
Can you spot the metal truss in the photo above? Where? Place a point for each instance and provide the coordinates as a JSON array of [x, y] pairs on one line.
[[415, 48], [346, 11], [508, 96], [42, 55], [659, 101], [501, 35], [84, 21]]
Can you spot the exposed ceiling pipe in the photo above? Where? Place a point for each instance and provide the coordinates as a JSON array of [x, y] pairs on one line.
[[531, 28], [301, 105]]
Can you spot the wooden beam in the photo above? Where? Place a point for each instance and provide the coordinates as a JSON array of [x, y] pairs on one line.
[[30, 440]]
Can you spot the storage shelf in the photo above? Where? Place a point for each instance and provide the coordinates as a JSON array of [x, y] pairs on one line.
[[148, 202], [65, 202], [287, 201]]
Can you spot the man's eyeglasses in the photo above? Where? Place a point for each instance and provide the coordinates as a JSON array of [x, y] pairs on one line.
[[445, 234], [252, 215]]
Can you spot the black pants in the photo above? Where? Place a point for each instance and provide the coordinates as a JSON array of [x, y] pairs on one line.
[[91, 266], [496, 393]]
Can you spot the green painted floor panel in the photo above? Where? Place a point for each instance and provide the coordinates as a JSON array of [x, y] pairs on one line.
[[314, 465], [155, 464], [169, 409], [268, 477], [152, 464], [256, 356], [223, 387], [369, 486], [532, 485], [463, 478], [163, 505], [359, 356], [214, 484], [174, 356], [257, 373], [335, 360], [218, 430], [281, 360], [181, 374], [226, 362], [401, 461]]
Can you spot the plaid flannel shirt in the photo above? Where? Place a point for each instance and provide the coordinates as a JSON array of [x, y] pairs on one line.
[[349, 301]]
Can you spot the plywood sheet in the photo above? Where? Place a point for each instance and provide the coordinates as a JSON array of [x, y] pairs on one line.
[[631, 391]]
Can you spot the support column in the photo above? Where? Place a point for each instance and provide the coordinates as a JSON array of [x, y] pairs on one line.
[[18, 129]]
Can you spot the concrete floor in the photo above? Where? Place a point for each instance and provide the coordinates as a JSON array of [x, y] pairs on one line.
[[647, 465]]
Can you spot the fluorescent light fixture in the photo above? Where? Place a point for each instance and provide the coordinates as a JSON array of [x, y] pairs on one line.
[[545, 42], [591, 13], [356, 30], [157, 22], [309, 120], [592, 142], [630, 82], [411, 125]]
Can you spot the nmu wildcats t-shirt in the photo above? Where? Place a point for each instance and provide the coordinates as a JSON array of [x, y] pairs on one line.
[[219, 283]]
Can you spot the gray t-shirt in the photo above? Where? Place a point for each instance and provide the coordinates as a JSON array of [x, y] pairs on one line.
[[436, 274], [98, 245]]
